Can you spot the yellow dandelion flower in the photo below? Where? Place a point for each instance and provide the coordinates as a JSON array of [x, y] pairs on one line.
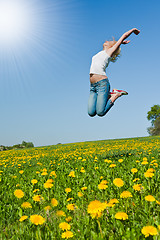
[[138, 187], [67, 234], [120, 160], [72, 174], [148, 174], [35, 190], [34, 181], [24, 217], [144, 163], [48, 185], [158, 202], [134, 170], [112, 165], [82, 170], [47, 208], [69, 199], [70, 207], [84, 188], [26, 205], [64, 226], [60, 213], [80, 194], [126, 194], [53, 174], [37, 219], [136, 179], [150, 198], [21, 171], [69, 219], [54, 202], [95, 208], [102, 186], [149, 230], [67, 190], [108, 161], [114, 200], [44, 173], [150, 170], [121, 216], [19, 193], [37, 198], [118, 182]]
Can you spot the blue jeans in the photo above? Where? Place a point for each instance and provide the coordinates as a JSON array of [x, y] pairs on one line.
[[98, 100]]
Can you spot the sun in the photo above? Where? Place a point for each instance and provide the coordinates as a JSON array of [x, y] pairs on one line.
[[16, 22]]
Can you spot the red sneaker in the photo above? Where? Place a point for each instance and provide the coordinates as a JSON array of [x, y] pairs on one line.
[[119, 91]]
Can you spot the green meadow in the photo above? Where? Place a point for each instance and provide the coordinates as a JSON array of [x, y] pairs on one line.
[[92, 190]]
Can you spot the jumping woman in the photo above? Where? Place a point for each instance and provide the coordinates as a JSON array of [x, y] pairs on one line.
[[100, 99]]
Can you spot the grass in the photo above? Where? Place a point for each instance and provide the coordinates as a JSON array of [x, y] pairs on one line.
[[75, 166]]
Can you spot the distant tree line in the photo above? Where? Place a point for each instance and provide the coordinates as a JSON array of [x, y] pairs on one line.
[[154, 116], [17, 146]]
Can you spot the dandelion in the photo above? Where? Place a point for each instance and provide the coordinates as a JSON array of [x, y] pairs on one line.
[[144, 163], [53, 174], [69, 199], [44, 173], [37, 219], [34, 181], [26, 205], [60, 213], [118, 182], [138, 187], [149, 230], [121, 216], [80, 194], [47, 208], [134, 170], [68, 219], [54, 202], [37, 198], [21, 171], [35, 190], [148, 174], [48, 185], [24, 217], [112, 165], [136, 179], [19, 193], [126, 194], [84, 188], [70, 207], [67, 190], [120, 160], [72, 174], [150, 198], [158, 202], [108, 161], [67, 234], [95, 208], [64, 226]]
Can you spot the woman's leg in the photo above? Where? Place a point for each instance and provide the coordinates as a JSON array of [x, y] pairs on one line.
[[103, 103], [92, 101]]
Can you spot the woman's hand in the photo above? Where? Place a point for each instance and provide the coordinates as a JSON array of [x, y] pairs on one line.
[[136, 31], [125, 41]]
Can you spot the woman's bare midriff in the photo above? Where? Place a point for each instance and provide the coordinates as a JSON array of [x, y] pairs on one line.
[[96, 77]]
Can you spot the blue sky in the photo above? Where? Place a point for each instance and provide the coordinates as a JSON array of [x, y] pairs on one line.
[[44, 81]]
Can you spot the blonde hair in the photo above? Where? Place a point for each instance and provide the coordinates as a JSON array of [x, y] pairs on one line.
[[117, 53]]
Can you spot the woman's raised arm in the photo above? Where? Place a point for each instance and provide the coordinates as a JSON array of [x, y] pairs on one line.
[[122, 40]]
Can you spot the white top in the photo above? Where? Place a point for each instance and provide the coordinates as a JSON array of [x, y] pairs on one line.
[[99, 63]]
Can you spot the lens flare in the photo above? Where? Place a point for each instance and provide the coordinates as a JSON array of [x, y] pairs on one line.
[[16, 22]]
